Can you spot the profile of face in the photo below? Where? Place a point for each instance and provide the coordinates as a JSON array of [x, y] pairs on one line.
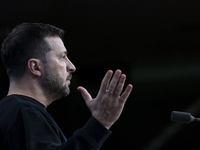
[[58, 69]]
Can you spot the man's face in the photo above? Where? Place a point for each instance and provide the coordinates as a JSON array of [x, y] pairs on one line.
[[58, 70]]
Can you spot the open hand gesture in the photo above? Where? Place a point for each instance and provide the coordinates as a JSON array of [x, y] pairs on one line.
[[109, 102]]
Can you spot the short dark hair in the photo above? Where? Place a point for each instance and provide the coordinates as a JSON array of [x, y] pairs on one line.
[[24, 42]]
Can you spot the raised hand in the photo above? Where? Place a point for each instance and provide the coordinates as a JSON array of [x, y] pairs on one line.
[[109, 102]]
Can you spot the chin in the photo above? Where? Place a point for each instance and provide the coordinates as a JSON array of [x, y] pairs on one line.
[[64, 92], [67, 91]]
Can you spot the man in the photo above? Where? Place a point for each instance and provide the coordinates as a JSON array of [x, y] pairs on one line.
[[40, 72]]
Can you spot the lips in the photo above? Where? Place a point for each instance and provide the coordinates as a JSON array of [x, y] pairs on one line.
[[69, 77], [69, 80]]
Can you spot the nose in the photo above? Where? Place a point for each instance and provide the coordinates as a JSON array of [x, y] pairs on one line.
[[70, 67]]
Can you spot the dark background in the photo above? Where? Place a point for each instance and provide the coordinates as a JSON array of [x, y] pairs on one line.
[[155, 43]]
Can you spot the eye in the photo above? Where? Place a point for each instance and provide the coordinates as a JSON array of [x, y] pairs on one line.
[[64, 56]]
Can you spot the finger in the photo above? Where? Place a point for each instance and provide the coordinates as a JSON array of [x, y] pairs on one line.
[[114, 81], [126, 93], [120, 85], [85, 94], [105, 82]]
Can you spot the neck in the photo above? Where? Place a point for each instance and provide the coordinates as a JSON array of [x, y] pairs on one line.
[[30, 89]]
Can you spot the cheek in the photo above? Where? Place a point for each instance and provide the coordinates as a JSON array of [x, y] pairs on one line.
[[59, 69], [62, 72]]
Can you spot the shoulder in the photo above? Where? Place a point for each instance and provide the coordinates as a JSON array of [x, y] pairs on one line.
[[20, 101], [10, 103], [14, 106]]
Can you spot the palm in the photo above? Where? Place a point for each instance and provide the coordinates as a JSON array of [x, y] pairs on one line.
[[109, 102]]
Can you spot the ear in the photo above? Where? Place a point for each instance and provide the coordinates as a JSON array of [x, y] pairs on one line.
[[34, 66]]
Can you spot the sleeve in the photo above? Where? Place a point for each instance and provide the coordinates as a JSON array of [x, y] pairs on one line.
[[40, 135], [90, 137]]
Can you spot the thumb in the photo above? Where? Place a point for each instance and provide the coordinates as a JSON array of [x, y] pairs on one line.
[[85, 94]]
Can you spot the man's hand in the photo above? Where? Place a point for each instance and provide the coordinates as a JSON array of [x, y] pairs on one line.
[[109, 103]]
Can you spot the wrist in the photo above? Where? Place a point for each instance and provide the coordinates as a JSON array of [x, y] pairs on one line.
[[104, 123]]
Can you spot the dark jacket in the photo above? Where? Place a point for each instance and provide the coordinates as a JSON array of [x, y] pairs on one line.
[[26, 125]]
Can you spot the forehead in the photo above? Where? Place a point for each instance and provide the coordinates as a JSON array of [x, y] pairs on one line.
[[56, 44]]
